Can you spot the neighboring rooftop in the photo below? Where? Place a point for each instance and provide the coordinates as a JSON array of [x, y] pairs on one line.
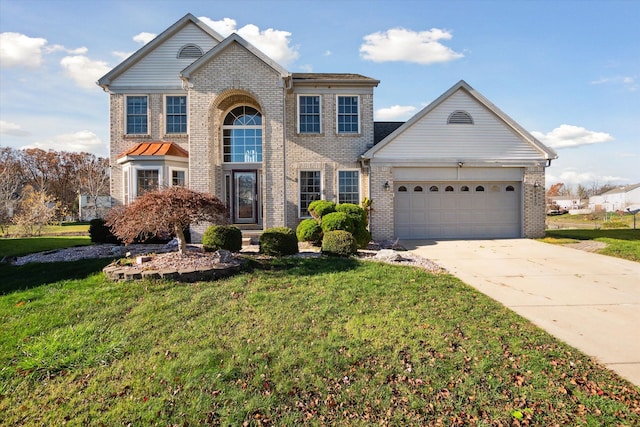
[[622, 189]]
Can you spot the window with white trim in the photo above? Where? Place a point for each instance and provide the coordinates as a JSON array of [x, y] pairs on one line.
[[178, 178], [242, 135], [309, 114], [137, 115], [147, 180], [176, 114], [348, 114], [310, 187], [349, 187]]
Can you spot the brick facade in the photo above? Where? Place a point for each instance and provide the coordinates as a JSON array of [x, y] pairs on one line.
[[237, 76]]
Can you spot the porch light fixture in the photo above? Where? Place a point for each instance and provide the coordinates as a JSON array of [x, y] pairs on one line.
[[386, 185], [460, 164]]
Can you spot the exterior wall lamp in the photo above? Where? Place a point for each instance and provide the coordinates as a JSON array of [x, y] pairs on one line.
[[386, 185], [460, 164]]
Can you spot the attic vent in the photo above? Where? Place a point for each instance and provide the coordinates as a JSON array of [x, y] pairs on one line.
[[460, 118], [190, 51]]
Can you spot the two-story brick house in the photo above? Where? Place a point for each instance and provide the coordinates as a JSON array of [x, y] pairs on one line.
[[216, 114]]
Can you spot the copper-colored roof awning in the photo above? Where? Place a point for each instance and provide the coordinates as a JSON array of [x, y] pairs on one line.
[[155, 149]]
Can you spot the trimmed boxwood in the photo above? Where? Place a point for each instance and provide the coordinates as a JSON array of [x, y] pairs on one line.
[[363, 237], [320, 208], [339, 243], [278, 241], [227, 237], [337, 221], [357, 214], [309, 231]]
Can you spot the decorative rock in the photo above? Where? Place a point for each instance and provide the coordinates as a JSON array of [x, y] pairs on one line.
[[142, 259], [388, 255]]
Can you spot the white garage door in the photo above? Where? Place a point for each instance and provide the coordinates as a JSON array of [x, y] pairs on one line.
[[446, 210]]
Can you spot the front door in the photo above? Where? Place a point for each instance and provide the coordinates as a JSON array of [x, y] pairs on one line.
[[245, 201]]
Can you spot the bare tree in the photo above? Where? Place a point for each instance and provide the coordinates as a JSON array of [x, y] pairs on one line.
[[93, 178], [165, 212], [36, 209], [10, 184]]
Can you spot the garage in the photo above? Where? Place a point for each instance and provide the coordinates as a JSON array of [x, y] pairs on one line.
[[450, 210]]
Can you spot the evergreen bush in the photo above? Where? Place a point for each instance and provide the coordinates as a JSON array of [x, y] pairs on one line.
[[339, 243], [309, 231], [320, 208], [357, 214], [363, 237], [100, 233], [227, 237], [337, 221], [278, 241]]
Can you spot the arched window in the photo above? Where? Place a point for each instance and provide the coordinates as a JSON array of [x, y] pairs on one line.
[[464, 188], [433, 188], [417, 188], [242, 135], [510, 188], [479, 188], [190, 51], [402, 189], [449, 188]]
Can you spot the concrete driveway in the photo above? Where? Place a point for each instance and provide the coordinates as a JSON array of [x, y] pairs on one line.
[[589, 301]]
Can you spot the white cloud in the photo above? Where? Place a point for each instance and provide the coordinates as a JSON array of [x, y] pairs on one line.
[[399, 44], [571, 176], [629, 82], [83, 140], [565, 136], [84, 71], [18, 50], [327, 53], [13, 129], [144, 38], [306, 68], [274, 43], [121, 55], [395, 112], [59, 48]]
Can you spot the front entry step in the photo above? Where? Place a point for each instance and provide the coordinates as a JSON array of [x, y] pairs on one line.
[[251, 237]]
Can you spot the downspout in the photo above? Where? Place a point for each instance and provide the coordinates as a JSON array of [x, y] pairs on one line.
[[285, 85]]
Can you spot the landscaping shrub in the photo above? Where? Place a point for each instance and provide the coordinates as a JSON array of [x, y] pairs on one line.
[[357, 214], [227, 237], [362, 236], [320, 208], [337, 221], [278, 241], [339, 243], [100, 233], [309, 231]]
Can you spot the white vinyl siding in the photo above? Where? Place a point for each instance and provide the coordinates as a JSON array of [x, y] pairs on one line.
[[161, 67], [432, 138]]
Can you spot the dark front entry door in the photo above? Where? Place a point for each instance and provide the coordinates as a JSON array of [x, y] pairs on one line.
[[245, 201]]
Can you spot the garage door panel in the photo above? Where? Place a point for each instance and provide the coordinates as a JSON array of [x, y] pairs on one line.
[[451, 212]]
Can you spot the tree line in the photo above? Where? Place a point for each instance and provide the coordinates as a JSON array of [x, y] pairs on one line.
[[38, 186]]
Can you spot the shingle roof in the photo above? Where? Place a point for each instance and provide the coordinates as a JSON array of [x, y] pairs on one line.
[[623, 189], [383, 129], [155, 149], [335, 78]]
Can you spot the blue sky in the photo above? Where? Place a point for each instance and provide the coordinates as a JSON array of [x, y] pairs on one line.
[[567, 71]]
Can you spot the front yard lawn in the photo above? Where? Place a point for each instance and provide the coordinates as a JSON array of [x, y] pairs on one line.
[[29, 245], [621, 243], [300, 341]]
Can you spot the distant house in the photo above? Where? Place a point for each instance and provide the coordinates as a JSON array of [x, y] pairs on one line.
[[218, 115], [90, 207], [564, 203], [618, 199]]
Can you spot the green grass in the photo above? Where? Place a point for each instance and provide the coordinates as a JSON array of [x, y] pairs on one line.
[[65, 228], [623, 243], [294, 342], [28, 245]]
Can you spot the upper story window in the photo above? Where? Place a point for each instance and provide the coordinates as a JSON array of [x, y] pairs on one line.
[[190, 51], [137, 114], [348, 114], [242, 135], [176, 114], [460, 117], [309, 114]]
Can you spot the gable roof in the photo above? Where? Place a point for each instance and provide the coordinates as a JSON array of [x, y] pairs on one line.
[[106, 80], [155, 149], [623, 189], [547, 152], [383, 129], [215, 51]]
